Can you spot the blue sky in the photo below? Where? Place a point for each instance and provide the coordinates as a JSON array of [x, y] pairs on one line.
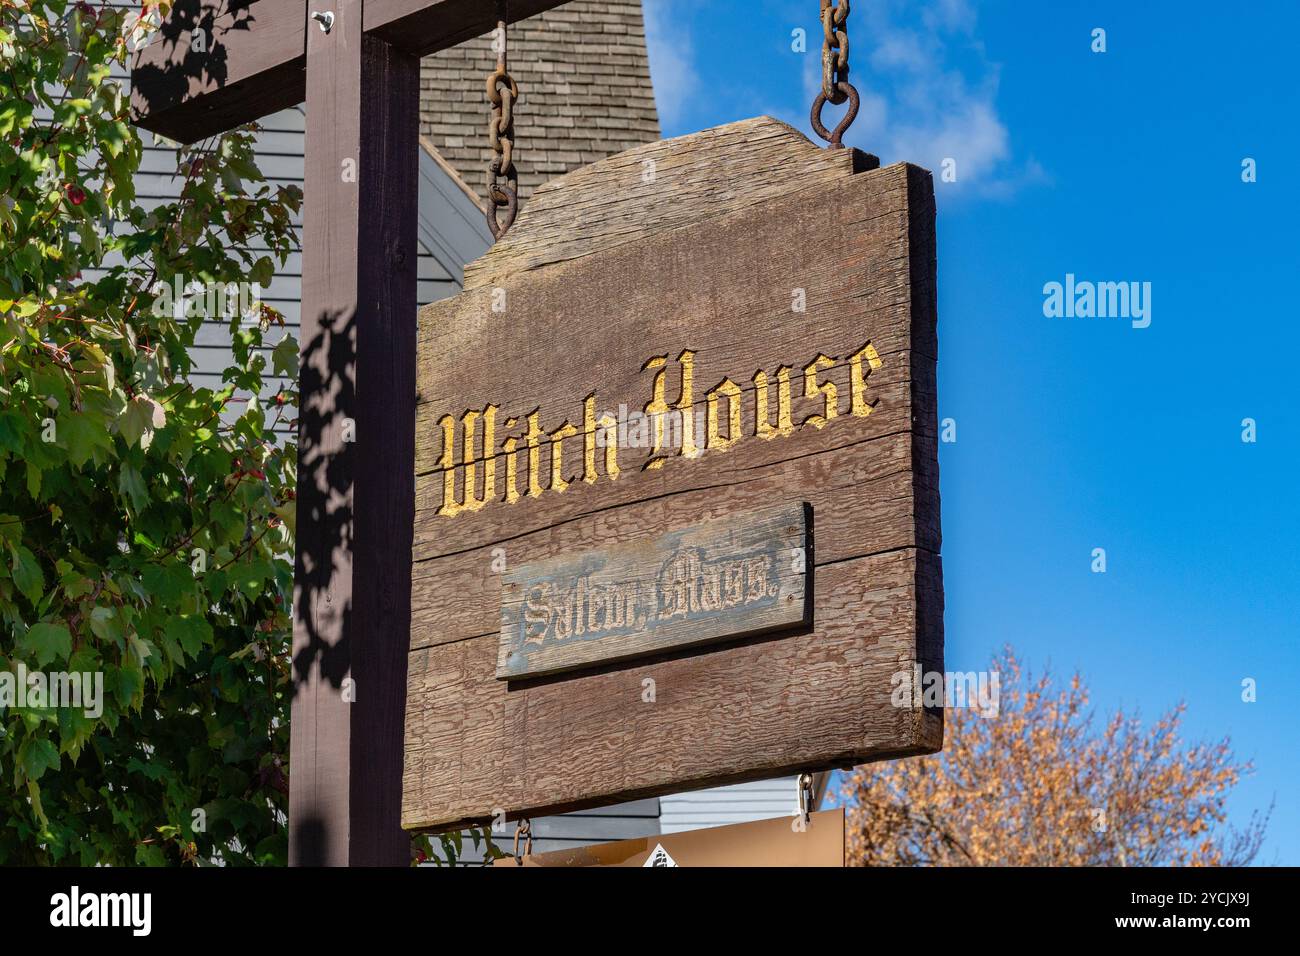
[[1083, 433]]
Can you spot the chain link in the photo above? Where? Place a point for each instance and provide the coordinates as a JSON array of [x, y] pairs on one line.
[[502, 94], [524, 829], [836, 87], [835, 48]]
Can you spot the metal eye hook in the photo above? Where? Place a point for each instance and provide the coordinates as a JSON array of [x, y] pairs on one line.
[[326, 20], [834, 139], [524, 828]]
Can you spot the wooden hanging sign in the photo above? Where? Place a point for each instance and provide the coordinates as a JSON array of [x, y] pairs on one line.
[[677, 510]]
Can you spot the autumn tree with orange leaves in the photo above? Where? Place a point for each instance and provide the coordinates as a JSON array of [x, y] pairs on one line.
[[1041, 784]]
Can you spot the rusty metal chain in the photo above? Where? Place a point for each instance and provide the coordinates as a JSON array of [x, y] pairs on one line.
[[836, 87], [503, 94], [524, 828]]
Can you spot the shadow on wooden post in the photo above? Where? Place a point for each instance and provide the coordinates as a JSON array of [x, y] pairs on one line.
[[356, 450]]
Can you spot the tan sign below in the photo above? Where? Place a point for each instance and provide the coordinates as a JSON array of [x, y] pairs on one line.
[[783, 841], [709, 581]]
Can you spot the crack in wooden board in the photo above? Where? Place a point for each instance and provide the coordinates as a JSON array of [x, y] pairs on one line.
[[738, 712], [658, 187]]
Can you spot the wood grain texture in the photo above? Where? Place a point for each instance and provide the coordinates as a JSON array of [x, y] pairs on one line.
[[859, 244], [659, 186], [857, 486], [815, 699], [422, 27], [694, 585], [254, 64], [255, 59], [355, 452]]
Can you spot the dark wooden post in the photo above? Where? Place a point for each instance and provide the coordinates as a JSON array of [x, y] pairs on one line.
[[356, 433]]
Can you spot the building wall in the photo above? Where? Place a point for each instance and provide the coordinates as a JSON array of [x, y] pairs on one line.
[[447, 211], [720, 806], [584, 86], [568, 831]]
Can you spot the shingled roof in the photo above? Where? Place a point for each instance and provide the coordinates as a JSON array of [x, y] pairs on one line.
[[584, 84]]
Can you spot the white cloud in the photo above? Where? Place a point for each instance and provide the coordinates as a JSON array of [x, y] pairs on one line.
[[668, 44], [928, 91], [929, 94], [950, 15]]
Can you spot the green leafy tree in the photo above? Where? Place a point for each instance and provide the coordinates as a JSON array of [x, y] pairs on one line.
[[146, 524]]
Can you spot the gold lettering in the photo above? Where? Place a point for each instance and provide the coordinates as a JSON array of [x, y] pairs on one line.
[[762, 421], [732, 391], [557, 455], [858, 379], [655, 410], [471, 501], [589, 439], [533, 439], [512, 464], [658, 410], [447, 462], [609, 424], [811, 389], [672, 432], [686, 404]]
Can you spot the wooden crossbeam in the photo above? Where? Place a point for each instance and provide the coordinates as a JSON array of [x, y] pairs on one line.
[[254, 55]]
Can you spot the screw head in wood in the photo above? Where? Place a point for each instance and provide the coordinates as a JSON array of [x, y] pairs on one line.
[[326, 20]]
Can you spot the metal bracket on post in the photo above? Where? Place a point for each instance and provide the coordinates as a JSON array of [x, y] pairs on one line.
[[805, 785]]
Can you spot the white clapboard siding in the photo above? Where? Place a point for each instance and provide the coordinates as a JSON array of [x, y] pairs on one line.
[[719, 806], [452, 230], [450, 223], [624, 821]]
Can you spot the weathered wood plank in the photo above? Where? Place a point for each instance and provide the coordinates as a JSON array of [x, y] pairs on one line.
[[694, 585], [662, 185], [421, 27], [861, 487], [253, 63], [683, 299], [746, 330], [255, 55], [763, 708]]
